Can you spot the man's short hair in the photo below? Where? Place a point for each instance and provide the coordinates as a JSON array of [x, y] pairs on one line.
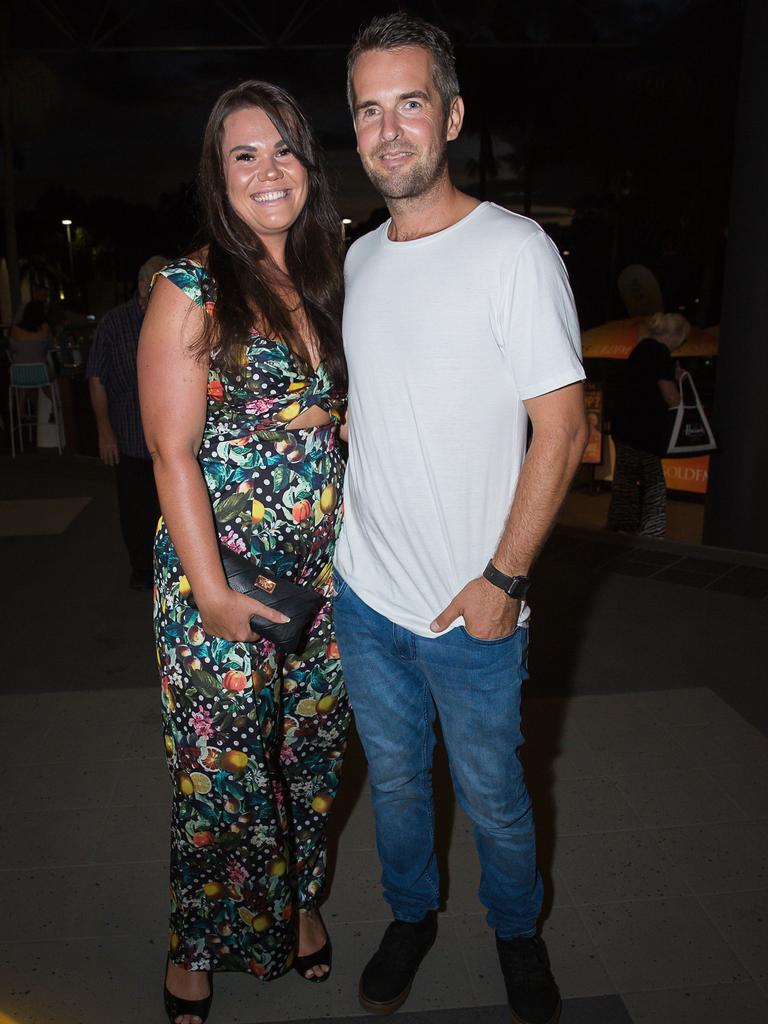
[[393, 32], [148, 270]]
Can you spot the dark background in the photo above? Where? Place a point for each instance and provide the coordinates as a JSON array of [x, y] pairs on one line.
[[610, 121]]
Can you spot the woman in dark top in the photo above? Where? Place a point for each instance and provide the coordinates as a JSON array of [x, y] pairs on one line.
[[640, 428], [242, 383], [30, 339]]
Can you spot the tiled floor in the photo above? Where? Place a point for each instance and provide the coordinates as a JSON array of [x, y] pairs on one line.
[[654, 854], [646, 720]]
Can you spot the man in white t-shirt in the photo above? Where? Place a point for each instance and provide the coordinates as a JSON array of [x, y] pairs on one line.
[[459, 330]]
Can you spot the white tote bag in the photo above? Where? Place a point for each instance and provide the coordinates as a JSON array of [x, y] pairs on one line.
[[691, 433]]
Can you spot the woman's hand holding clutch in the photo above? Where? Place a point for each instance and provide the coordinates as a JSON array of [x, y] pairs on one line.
[[228, 615]]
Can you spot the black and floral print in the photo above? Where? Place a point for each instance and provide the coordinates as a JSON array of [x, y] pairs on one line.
[[254, 739]]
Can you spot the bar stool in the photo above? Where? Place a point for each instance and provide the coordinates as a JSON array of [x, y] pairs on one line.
[[26, 377]]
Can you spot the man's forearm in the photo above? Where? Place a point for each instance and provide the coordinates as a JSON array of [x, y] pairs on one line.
[[99, 403], [547, 472]]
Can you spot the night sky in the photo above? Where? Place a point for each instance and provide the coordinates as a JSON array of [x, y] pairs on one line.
[[570, 103]]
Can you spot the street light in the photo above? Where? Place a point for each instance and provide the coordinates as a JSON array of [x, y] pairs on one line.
[[68, 224]]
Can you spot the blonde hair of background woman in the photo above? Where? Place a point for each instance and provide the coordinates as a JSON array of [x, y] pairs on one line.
[[668, 324]]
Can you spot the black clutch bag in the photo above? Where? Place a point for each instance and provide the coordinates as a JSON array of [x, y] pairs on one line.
[[300, 604]]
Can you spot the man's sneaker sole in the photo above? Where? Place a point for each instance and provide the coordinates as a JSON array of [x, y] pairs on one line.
[[383, 1009], [551, 1020]]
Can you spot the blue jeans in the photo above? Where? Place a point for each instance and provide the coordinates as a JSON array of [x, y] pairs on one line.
[[397, 682]]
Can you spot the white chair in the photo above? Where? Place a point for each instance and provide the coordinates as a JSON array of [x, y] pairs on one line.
[[28, 377]]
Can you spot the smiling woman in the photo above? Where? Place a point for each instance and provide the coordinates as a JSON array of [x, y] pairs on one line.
[[242, 383], [266, 182], [280, 257]]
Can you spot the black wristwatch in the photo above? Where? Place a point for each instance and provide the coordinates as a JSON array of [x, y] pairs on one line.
[[513, 586]]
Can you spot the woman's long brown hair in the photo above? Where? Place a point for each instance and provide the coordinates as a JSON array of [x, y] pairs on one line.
[[238, 261]]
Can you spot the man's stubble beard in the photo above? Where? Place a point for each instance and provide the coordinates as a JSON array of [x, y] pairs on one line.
[[410, 183]]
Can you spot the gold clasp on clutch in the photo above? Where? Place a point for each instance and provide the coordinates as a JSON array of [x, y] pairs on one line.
[[264, 583]]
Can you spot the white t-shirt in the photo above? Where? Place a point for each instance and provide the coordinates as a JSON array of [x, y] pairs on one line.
[[445, 336]]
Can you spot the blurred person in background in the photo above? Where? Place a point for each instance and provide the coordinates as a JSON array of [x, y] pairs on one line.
[[30, 338], [640, 427], [114, 394]]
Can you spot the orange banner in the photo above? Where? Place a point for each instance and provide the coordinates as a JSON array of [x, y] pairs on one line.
[[687, 474]]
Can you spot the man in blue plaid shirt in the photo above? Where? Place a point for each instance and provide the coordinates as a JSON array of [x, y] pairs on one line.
[[115, 400]]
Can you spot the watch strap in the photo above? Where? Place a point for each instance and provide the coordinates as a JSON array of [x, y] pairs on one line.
[[513, 586]]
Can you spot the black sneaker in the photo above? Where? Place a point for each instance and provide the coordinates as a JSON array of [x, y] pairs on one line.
[[532, 992], [388, 975]]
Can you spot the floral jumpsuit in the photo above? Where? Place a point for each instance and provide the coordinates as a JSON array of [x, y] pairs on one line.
[[254, 738]]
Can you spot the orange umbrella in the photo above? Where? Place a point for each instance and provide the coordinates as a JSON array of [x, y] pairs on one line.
[[616, 339]]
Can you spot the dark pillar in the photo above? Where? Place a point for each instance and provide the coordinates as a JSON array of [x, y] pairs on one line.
[[736, 514]]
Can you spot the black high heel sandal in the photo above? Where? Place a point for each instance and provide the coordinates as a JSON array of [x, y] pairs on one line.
[[324, 955], [177, 1007]]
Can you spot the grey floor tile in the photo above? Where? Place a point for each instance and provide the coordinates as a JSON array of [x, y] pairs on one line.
[[744, 580], [668, 708], [85, 741], [7, 788], [100, 706], [68, 785], [705, 565], [131, 834], [742, 920], [21, 719], [690, 797], [355, 830], [39, 902], [660, 944], [355, 893], [63, 838], [461, 829], [122, 900], [241, 998], [37, 986], [142, 781], [627, 568], [684, 577], [578, 760], [556, 889], [715, 1004], [32, 840], [442, 981], [612, 866], [728, 742], [477, 944], [21, 743], [745, 786], [464, 883], [560, 750], [650, 556], [463, 880], [595, 1010], [590, 805], [575, 962], [718, 858], [463, 1015], [145, 739], [640, 747], [86, 982], [590, 1010]]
